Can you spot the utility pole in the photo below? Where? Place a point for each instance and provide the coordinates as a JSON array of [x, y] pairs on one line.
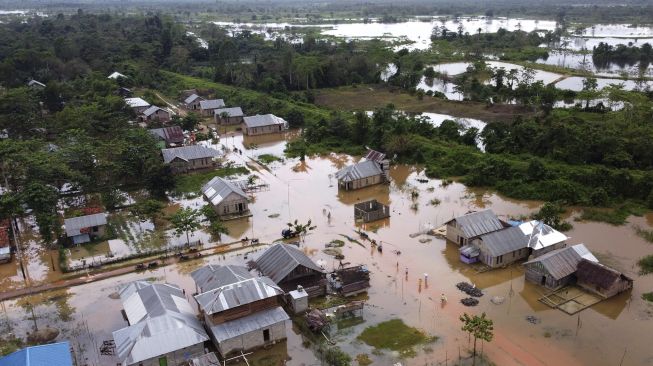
[[12, 223]]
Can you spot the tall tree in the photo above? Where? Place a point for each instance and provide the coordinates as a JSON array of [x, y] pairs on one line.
[[185, 221], [478, 327]]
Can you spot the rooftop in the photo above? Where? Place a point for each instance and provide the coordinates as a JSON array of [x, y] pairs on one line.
[[136, 102], [541, 235], [169, 134], [212, 103], [45, 355], [153, 109], [504, 241], [217, 189], [187, 153], [478, 223], [263, 120], [360, 170], [191, 98], [231, 112], [115, 75], [561, 263], [75, 224], [281, 259], [256, 321]]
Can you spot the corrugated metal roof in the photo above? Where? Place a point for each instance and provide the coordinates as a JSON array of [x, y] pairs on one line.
[[125, 291], [237, 294], [375, 155], [75, 224], [254, 322], [217, 189], [172, 134], [365, 169], [55, 354], [136, 102], [470, 251], [585, 253], [231, 112], [597, 274], [561, 263], [187, 153], [115, 75], [191, 98], [504, 241], [213, 276], [478, 223], [263, 120], [162, 321], [281, 259], [211, 104], [153, 109], [541, 235]]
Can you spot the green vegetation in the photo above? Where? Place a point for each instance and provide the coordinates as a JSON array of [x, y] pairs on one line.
[[334, 356], [216, 226], [550, 213], [268, 158], [646, 265], [10, 343], [363, 359], [648, 296], [185, 220], [192, 183], [336, 243], [396, 336], [644, 234], [616, 216], [478, 327]]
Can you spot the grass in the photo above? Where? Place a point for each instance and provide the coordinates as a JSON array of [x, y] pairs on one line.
[[648, 296], [337, 243], [644, 234], [192, 183], [363, 359], [646, 265], [617, 216], [395, 336], [10, 344], [268, 158]]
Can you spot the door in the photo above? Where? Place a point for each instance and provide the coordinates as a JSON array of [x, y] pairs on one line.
[[266, 335], [163, 361], [543, 281], [240, 207]]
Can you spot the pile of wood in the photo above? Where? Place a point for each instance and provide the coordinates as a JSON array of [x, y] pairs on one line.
[[316, 320]]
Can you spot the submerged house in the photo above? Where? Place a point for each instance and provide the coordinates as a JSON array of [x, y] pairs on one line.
[[241, 311], [502, 247], [209, 105], [192, 102], [601, 280], [187, 158], [463, 229], [558, 267], [162, 326], [227, 199], [83, 229], [139, 105], [44, 355], [350, 281], [228, 116], [289, 267], [263, 124], [372, 170], [369, 211], [154, 113], [169, 136]]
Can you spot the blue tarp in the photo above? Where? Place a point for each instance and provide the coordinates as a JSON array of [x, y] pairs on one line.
[[56, 354]]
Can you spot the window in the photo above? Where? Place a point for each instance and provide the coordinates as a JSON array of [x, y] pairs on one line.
[[225, 209], [500, 259], [266, 335]]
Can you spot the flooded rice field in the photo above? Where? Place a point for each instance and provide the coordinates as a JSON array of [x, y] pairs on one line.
[[602, 335]]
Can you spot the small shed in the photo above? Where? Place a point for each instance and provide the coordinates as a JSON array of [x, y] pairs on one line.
[[192, 102], [289, 267], [601, 280], [298, 300], [369, 211], [350, 281]]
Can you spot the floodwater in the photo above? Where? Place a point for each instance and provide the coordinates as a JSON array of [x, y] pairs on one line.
[[586, 43], [584, 62], [575, 83], [457, 68], [441, 86], [308, 190]]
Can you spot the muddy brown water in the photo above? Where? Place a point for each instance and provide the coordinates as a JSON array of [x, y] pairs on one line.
[[616, 328]]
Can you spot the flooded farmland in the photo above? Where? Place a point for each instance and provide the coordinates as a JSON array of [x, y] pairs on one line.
[[601, 335]]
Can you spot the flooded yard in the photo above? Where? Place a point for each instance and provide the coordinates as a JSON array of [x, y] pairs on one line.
[[306, 190]]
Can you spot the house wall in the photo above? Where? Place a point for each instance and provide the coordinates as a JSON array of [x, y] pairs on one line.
[[181, 166], [362, 183], [253, 339], [208, 112], [229, 205], [228, 120], [535, 272], [298, 272], [241, 311], [455, 233], [537, 253], [176, 358], [500, 261], [617, 287], [140, 110], [261, 130], [159, 115]]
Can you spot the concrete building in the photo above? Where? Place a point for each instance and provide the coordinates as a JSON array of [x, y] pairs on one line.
[[83, 229], [263, 124], [187, 158]]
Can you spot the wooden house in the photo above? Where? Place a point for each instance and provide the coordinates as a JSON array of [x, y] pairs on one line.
[[227, 199], [83, 229], [154, 113], [241, 311], [601, 280], [557, 268], [463, 229], [263, 124], [228, 116], [502, 247], [208, 106], [369, 211], [138, 105], [162, 326], [171, 136], [192, 102], [372, 170], [289, 267], [187, 158]]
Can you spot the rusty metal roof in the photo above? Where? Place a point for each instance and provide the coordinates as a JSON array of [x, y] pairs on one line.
[[374, 155], [281, 259]]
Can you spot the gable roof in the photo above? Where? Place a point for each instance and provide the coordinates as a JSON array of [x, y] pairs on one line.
[[259, 320], [217, 189], [263, 120], [478, 223], [360, 170], [115, 75], [172, 134], [75, 224], [598, 274], [35, 83], [374, 155], [231, 112], [504, 241], [563, 262], [187, 153], [153, 109], [136, 102], [213, 276], [281, 259], [238, 293], [125, 291], [45, 355], [191, 98], [211, 104], [541, 235], [162, 321]]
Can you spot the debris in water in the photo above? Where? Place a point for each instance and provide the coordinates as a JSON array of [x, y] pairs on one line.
[[497, 300], [469, 301], [469, 289], [532, 319], [425, 240]]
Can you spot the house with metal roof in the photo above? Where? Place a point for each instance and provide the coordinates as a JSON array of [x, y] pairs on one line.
[[172, 136], [208, 106], [44, 355], [162, 327], [290, 267], [139, 105], [542, 238], [601, 279], [187, 158], [557, 268], [227, 199], [360, 175], [463, 229], [35, 84], [192, 102], [83, 229], [241, 311], [263, 124], [228, 116], [502, 247], [115, 75], [154, 113]]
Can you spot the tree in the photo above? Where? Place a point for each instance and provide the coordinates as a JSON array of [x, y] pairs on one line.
[[184, 221], [216, 226], [550, 215], [148, 209], [301, 229], [479, 327]]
